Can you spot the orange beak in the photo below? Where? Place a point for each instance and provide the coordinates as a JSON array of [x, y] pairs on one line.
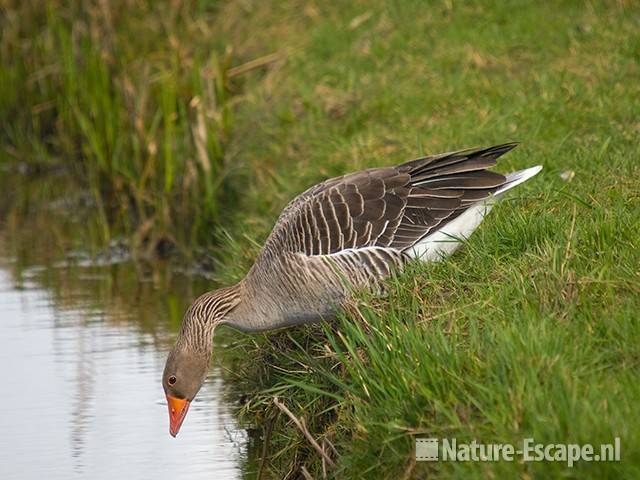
[[177, 411]]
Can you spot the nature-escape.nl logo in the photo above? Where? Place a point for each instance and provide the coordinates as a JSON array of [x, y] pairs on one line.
[[450, 450]]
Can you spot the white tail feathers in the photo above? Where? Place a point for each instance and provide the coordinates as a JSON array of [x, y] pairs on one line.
[[516, 178], [447, 239]]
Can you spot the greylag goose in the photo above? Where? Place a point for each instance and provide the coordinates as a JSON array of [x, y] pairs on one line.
[[346, 232]]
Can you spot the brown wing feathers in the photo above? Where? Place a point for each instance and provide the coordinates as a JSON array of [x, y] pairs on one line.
[[443, 186], [388, 207]]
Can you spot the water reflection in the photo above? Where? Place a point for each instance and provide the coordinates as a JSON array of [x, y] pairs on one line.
[[82, 352]]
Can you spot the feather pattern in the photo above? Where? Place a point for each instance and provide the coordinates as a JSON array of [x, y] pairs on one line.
[[392, 207], [355, 230]]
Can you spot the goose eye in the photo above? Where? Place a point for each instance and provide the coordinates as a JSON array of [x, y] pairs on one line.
[[172, 380]]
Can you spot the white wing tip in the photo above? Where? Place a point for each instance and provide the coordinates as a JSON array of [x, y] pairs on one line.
[[533, 171], [516, 178]]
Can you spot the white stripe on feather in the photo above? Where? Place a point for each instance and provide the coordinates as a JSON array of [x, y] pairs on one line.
[[447, 239]]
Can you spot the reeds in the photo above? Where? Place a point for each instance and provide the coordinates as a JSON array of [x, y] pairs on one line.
[[132, 98]]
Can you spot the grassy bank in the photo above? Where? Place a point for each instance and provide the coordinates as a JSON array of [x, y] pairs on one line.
[[530, 331]]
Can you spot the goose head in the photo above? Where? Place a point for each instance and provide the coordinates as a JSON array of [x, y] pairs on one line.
[[188, 362]]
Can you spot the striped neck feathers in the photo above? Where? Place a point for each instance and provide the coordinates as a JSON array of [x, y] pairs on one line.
[[204, 314]]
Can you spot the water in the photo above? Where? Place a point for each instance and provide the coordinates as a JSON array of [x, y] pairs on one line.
[[82, 352]]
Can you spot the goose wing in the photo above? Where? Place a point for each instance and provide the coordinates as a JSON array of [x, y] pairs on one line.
[[390, 208]]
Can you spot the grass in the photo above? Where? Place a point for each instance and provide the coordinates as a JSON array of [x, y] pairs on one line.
[[531, 330]]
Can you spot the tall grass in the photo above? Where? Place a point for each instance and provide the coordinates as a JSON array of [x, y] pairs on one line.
[[133, 98]]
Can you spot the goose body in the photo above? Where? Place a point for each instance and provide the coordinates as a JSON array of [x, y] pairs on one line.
[[353, 231], [344, 233]]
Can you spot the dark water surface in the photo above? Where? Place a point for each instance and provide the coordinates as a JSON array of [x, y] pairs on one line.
[[82, 352]]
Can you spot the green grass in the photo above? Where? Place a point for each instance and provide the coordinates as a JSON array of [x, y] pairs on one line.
[[530, 330]]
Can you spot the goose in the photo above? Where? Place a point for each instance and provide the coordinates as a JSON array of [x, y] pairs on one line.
[[344, 233]]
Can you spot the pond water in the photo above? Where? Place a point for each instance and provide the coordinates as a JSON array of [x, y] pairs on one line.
[[83, 347]]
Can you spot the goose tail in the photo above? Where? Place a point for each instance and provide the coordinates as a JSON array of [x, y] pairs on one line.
[[447, 239], [516, 178]]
